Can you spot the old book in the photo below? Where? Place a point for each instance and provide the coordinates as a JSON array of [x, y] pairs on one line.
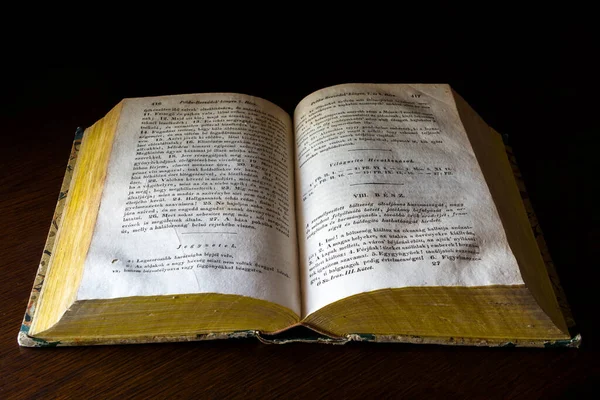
[[373, 213]]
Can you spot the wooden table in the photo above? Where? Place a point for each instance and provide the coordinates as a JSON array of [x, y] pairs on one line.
[[40, 112]]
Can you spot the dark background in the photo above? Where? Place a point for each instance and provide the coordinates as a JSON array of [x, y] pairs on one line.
[[541, 91]]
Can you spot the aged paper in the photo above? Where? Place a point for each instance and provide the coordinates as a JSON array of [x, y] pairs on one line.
[[199, 198], [389, 194]]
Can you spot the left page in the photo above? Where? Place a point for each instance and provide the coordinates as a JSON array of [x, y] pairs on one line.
[[198, 198]]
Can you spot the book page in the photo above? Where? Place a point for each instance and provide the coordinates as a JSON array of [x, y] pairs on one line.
[[199, 198], [390, 195]]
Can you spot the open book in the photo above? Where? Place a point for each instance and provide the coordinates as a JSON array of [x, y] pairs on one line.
[[375, 212]]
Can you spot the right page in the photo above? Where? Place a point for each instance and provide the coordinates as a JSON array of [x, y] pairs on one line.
[[390, 195]]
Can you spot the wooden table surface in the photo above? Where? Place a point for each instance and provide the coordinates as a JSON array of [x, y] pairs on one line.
[[551, 132]]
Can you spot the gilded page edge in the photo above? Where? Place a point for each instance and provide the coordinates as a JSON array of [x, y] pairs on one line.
[[71, 245], [24, 339]]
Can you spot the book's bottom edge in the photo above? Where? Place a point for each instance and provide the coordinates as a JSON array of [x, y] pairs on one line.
[[28, 341], [575, 341]]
